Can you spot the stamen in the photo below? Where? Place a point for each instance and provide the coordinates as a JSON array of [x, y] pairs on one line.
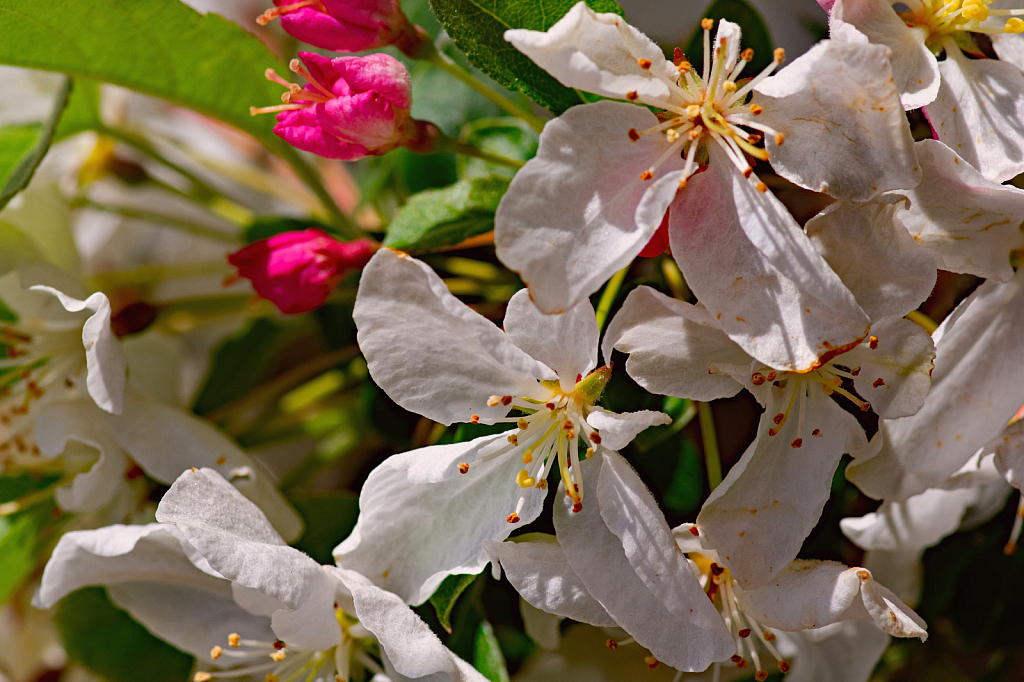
[[296, 66], [1018, 521], [275, 12]]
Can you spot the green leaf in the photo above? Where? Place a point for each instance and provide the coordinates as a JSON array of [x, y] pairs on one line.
[[18, 543], [478, 27], [162, 48], [108, 642], [82, 112], [754, 34], [487, 656], [439, 217], [508, 137], [22, 147], [447, 593]]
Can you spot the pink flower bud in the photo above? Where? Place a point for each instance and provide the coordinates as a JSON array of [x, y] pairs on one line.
[[347, 25], [351, 107], [297, 271]]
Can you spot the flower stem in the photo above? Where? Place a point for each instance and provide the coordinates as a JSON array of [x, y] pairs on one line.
[[447, 144], [170, 221], [712, 462], [444, 63], [611, 290], [312, 178]]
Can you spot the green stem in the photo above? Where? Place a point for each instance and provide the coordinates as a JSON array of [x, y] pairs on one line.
[[140, 144], [447, 144], [444, 63], [312, 178], [611, 290], [712, 462], [170, 221]]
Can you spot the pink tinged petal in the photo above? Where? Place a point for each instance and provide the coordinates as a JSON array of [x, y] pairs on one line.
[[566, 342], [411, 534], [979, 114], [432, 354], [971, 399], [895, 375], [301, 129], [618, 430], [597, 556], [380, 73], [105, 365], [758, 517], [536, 566], [968, 222], [366, 118], [915, 70], [569, 219], [870, 249], [673, 347], [587, 51], [845, 133], [324, 31], [363, 12], [240, 544], [812, 594], [781, 303]]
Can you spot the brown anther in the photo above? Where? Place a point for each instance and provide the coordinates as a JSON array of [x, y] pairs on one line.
[[463, 468], [747, 172], [716, 569], [855, 371], [234, 640], [694, 532], [744, 633], [577, 506], [493, 401], [797, 443], [872, 342], [506, 400], [202, 677], [634, 136], [863, 574], [522, 424], [780, 55], [754, 138], [816, 433], [595, 437], [513, 518], [542, 484], [644, 63], [769, 636], [762, 188], [646, 175], [755, 109], [760, 676], [865, 407], [778, 418], [707, 24], [474, 419], [737, 659], [747, 54], [612, 644], [678, 57], [651, 661], [550, 406], [757, 378], [783, 666], [878, 382], [779, 139], [632, 95], [771, 376], [513, 438], [279, 645]]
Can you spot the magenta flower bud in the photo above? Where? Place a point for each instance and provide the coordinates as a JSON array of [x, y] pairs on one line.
[[347, 25], [351, 107], [297, 271]]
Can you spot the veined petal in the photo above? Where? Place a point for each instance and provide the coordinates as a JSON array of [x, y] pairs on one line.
[[536, 566], [106, 368], [589, 52], [1009, 46], [979, 113], [618, 429], [968, 222], [429, 351], [567, 342], [869, 248], [411, 535], [971, 399], [772, 497], [672, 346], [845, 131], [915, 70], [240, 544], [569, 219], [596, 554], [846, 651], [781, 302], [895, 375]]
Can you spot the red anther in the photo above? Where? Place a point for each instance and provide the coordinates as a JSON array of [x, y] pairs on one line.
[[747, 172], [783, 667], [278, 644], [771, 376], [612, 644], [716, 569], [567, 425], [873, 342], [506, 400], [760, 676], [693, 531], [769, 636], [737, 659], [865, 407], [878, 382], [816, 432], [577, 506], [633, 134], [773, 432], [579, 377], [646, 175], [757, 378], [778, 418], [513, 518], [474, 419], [797, 443], [595, 437], [644, 63], [855, 371], [744, 633], [463, 468], [550, 406], [632, 95], [678, 57]]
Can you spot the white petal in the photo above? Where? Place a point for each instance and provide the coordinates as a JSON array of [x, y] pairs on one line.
[[536, 566], [105, 364], [871, 251], [968, 222], [587, 51], [672, 346], [542, 627], [1009, 47], [566, 342], [979, 114], [781, 302], [238, 541], [569, 219], [1009, 449], [429, 351], [597, 557], [915, 70], [894, 376], [772, 497], [617, 430], [971, 400], [632, 514], [888, 611], [411, 535], [845, 131], [846, 651]]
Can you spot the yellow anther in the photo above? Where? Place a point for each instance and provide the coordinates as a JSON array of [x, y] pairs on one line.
[[747, 54], [463, 468], [528, 456], [646, 175], [755, 110], [644, 63], [684, 67], [707, 24], [696, 132], [671, 135], [1014, 25], [513, 438], [590, 453], [762, 188], [513, 518], [872, 342], [780, 55], [523, 424], [493, 401], [542, 484], [202, 677], [693, 111], [474, 419], [730, 86], [278, 656], [234, 640], [525, 480], [779, 139], [215, 652]]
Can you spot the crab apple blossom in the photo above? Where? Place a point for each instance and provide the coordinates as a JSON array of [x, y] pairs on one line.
[[297, 271], [610, 170], [424, 513], [350, 108], [975, 106], [215, 579], [348, 25]]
